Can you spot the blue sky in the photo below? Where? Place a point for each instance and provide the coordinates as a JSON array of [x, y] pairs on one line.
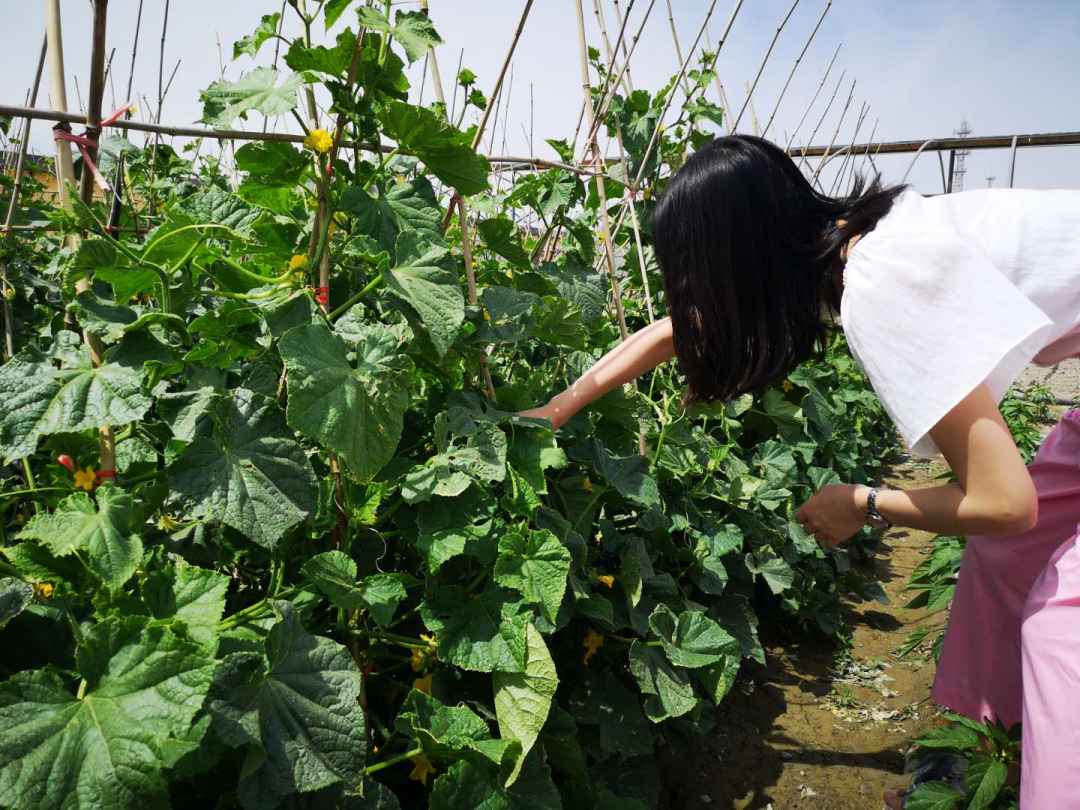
[[1007, 67]]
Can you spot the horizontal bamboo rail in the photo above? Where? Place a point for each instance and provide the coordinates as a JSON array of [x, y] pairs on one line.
[[878, 148]]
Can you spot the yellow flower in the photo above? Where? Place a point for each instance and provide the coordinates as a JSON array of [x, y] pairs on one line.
[[319, 140], [586, 484], [417, 659], [85, 479], [593, 642], [167, 523], [429, 639], [43, 590], [331, 228], [788, 386], [606, 579], [422, 769], [423, 684], [298, 262]]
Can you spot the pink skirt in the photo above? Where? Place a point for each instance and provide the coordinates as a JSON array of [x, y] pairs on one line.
[[1012, 648]]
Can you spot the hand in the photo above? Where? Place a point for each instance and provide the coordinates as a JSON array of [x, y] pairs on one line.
[[834, 513], [548, 412]]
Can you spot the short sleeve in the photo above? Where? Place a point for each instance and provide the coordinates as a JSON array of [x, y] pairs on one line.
[[929, 317]]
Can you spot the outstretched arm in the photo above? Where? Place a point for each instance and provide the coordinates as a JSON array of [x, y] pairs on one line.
[[641, 352]]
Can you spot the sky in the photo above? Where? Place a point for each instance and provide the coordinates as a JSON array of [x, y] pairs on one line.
[[922, 66]]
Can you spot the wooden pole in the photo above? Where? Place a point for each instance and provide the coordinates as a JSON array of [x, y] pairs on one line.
[[65, 167], [678, 46], [836, 133], [806, 112], [96, 95], [791, 75], [601, 193], [764, 60], [602, 24], [622, 24]]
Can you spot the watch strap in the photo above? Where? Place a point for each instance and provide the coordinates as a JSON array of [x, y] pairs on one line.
[[872, 513]]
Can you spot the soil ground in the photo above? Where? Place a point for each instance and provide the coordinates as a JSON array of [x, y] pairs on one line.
[[821, 726]]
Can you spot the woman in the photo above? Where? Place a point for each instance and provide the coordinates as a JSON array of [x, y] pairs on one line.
[[943, 301]]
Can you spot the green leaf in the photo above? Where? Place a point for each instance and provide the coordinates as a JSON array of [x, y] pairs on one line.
[[481, 633], [628, 475], [406, 206], [334, 574], [40, 400], [144, 685], [434, 478], [355, 411], [250, 44], [273, 171], [412, 29], [15, 596], [523, 699], [449, 733], [195, 596], [951, 736], [933, 796], [258, 90], [105, 533], [249, 473], [297, 710], [984, 779], [333, 11], [692, 639], [536, 564], [446, 150], [432, 292], [501, 236], [668, 690], [331, 61], [468, 787], [776, 571]]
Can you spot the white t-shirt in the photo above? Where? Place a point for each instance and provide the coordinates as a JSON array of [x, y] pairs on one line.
[[949, 292]]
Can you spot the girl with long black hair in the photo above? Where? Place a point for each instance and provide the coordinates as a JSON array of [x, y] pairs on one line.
[[943, 301]]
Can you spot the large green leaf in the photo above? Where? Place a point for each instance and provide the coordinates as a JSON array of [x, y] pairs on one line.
[[431, 291], [446, 150], [536, 564], [448, 733], [296, 709], [334, 574], [628, 475], [692, 639], [411, 29], [356, 411], [406, 206], [273, 171], [15, 596], [523, 699], [482, 633], [933, 796], [333, 61], [258, 90], [668, 690], [194, 595], [249, 473], [984, 778], [40, 400], [501, 235], [266, 30], [103, 749], [105, 533]]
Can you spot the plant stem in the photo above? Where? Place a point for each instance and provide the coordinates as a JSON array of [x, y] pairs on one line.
[[395, 760], [371, 285]]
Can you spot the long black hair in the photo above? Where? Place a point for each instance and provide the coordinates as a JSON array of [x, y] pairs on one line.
[[750, 253]]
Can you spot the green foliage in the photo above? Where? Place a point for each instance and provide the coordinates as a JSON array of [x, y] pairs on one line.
[[326, 559]]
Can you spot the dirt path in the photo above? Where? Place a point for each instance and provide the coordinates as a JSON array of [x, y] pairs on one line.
[[816, 728]]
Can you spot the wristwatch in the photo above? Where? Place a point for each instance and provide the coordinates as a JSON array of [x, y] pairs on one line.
[[873, 516]]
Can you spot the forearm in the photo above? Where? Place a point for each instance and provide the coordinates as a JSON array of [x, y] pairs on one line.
[[948, 509], [641, 352]]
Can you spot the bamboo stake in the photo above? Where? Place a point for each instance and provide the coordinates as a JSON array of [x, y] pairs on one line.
[[277, 46], [761, 68], [821, 120], [795, 67], [806, 112], [161, 101], [605, 232], [502, 72], [632, 195], [463, 217], [20, 163], [65, 167], [850, 157], [678, 47], [602, 24], [753, 113], [836, 133], [626, 51], [720, 87], [453, 102]]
